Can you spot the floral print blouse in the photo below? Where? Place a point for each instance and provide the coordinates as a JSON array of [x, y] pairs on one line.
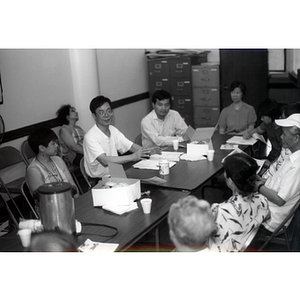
[[236, 218]]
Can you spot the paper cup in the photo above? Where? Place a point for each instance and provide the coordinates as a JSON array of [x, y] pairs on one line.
[[175, 144], [210, 155], [146, 205], [25, 236]]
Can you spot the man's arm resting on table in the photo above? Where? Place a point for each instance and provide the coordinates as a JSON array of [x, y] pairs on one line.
[[138, 154]]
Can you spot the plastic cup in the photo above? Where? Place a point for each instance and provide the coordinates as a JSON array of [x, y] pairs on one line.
[[210, 155], [175, 144], [25, 236], [146, 205]]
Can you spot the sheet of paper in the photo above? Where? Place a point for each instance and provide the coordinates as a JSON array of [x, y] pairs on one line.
[[154, 180], [239, 140], [170, 156], [260, 162], [259, 137], [228, 147], [89, 245], [120, 209], [150, 164]]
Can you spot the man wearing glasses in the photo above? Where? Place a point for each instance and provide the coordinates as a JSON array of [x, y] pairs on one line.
[[103, 142]]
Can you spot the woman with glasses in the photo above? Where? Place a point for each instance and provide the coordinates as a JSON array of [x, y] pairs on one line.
[[103, 142], [70, 135]]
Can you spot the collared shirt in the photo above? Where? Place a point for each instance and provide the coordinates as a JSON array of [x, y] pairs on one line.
[[286, 182], [237, 120], [236, 219], [156, 132], [275, 165], [96, 143]]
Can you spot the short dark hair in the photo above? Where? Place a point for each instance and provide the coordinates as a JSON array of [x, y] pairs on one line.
[[290, 109], [238, 84], [161, 95], [62, 114], [270, 108], [41, 136], [241, 168], [98, 102]]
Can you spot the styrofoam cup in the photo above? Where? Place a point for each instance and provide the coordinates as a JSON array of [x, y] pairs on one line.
[[210, 155], [25, 236], [175, 144], [146, 205]]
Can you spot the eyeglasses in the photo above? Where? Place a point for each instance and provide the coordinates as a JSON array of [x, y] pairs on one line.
[[104, 112]]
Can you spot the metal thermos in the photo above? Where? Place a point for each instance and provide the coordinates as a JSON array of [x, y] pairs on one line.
[[57, 206]]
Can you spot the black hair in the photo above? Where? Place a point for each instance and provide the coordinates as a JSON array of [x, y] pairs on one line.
[[161, 95], [241, 168], [41, 136], [270, 108], [98, 102], [290, 109], [238, 84], [62, 114]]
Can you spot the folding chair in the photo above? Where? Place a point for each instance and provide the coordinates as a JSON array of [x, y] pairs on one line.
[[2, 129], [28, 197], [27, 152], [85, 176], [10, 156], [283, 235]]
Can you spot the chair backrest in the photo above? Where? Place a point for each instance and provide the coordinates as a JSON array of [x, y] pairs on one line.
[[2, 129], [10, 156], [250, 239], [28, 197], [283, 227], [27, 152], [85, 176]]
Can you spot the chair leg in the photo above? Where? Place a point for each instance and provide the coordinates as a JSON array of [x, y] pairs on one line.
[[157, 239]]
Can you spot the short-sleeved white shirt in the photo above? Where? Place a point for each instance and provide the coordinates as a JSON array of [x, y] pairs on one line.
[[286, 182], [96, 143]]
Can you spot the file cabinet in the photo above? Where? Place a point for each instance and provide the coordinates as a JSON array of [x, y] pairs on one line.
[[206, 95], [174, 75]]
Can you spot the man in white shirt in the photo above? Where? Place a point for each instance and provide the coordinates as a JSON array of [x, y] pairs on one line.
[[283, 188], [103, 142], [162, 125]]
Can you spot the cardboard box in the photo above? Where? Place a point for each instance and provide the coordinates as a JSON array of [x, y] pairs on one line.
[[194, 149], [117, 196]]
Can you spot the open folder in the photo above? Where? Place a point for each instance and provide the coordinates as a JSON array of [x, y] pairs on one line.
[[200, 134]]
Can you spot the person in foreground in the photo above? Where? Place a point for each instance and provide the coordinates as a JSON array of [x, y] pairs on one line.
[[238, 117], [162, 125], [269, 111], [283, 188], [46, 167], [103, 142], [191, 223], [71, 135], [241, 215]]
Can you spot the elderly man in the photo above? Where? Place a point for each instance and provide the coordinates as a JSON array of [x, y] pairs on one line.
[[162, 125], [283, 188], [191, 223], [103, 142]]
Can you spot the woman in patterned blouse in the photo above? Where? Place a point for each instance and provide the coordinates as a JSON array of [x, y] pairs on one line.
[[244, 211]]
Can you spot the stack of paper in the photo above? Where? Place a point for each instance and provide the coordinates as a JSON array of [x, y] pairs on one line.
[[120, 209], [239, 140], [192, 157], [150, 164], [170, 156]]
